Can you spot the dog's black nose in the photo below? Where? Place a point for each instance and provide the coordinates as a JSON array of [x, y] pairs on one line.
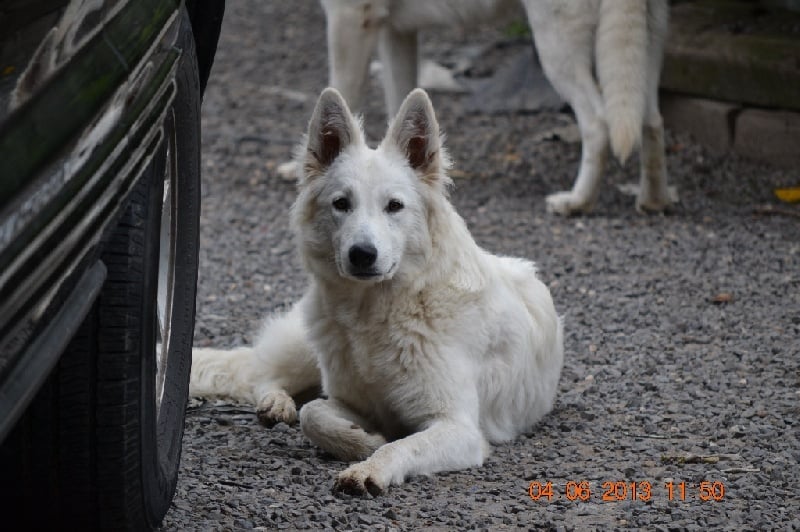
[[363, 256]]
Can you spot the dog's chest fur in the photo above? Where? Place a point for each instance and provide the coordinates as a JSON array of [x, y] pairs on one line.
[[380, 351]]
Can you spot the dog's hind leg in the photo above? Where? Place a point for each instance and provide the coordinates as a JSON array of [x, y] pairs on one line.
[[399, 56], [281, 365], [565, 49], [286, 366], [654, 194], [338, 430]]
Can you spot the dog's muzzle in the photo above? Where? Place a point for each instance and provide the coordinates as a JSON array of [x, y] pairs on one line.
[[362, 259]]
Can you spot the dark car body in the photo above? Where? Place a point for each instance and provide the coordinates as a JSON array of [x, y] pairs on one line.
[[86, 87]]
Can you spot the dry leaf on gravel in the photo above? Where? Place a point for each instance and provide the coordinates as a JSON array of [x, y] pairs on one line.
[[722, 298], [788, 195]]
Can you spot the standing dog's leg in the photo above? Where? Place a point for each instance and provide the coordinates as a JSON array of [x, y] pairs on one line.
[[340, 431], [567, 62], [447, 444], [353, 28], [654, 195], [399, 56]]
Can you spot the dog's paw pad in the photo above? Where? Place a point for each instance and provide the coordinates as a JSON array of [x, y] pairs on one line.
[[276, 407]]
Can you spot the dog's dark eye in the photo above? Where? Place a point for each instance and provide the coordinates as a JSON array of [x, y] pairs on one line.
[[341, 204], [394, 206]]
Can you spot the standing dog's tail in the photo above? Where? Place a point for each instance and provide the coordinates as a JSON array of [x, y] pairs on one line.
[[621, 59]]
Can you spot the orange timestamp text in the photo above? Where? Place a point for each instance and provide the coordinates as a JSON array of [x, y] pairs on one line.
[[621, 490]]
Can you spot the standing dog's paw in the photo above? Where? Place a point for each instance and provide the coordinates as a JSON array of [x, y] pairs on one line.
[[656, 202], [566, 203], [359, 479], [651, 200], [275, 407], [289, 171]]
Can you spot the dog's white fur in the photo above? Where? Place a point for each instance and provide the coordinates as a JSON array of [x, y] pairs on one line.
[[620, 40], [428, 348]]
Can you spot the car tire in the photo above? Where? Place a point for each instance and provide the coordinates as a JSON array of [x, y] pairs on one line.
[[99, 448]]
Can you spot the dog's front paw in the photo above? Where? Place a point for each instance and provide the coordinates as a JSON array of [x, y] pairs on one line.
[[567, 203], [359, 479], [275, 407]]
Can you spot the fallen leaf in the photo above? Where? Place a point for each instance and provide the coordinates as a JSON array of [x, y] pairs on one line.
[[788, 195], [721, 298]]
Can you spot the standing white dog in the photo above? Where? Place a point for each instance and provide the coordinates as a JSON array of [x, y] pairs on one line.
[[426, 346], [621, 41]]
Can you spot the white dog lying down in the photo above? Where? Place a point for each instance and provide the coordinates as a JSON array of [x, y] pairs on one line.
[[602, 56], [426, 346]]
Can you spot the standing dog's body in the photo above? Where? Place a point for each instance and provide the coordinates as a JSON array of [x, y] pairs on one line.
[[426, 346], [620, 40]]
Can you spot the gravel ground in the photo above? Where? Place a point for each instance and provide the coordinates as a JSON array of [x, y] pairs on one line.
[[682, 331]]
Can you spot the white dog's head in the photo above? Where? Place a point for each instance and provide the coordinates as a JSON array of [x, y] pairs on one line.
[[362, 213]]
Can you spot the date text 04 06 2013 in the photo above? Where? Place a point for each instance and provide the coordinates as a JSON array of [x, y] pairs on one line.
[[617, 491]]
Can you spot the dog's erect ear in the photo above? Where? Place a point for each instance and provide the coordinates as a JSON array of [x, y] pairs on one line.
[[332, 128], [416, 133]]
